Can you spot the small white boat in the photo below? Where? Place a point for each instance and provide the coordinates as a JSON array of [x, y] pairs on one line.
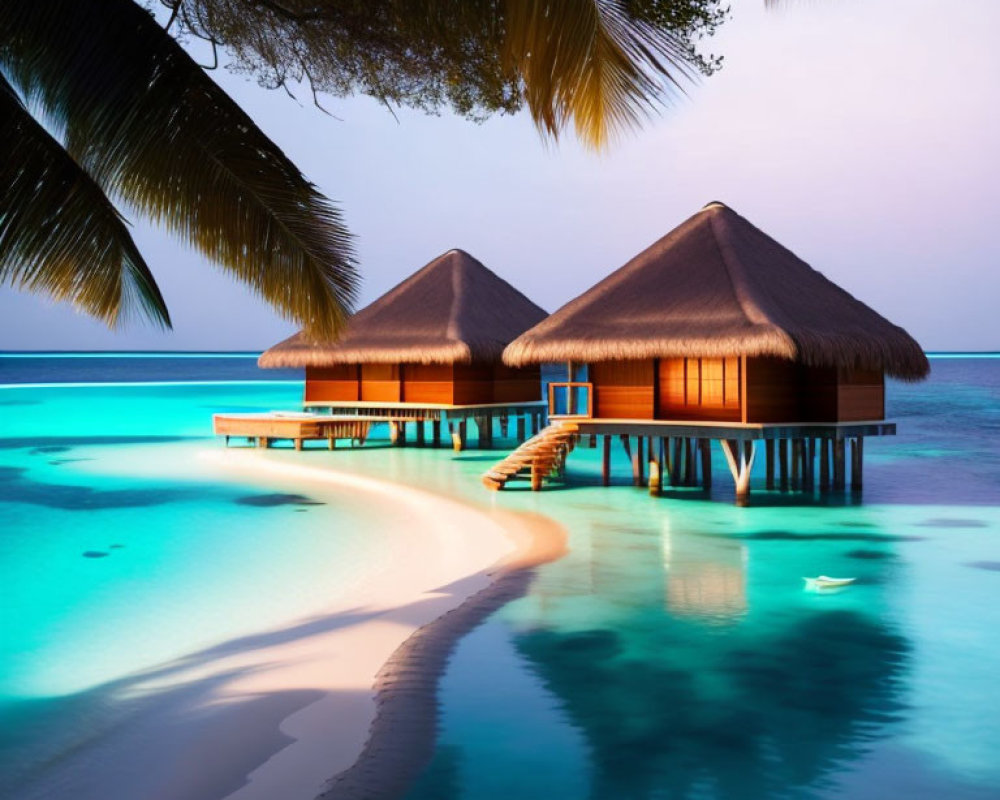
[[826, 582]]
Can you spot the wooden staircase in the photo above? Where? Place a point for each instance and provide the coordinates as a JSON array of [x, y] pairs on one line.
[[539, 458]]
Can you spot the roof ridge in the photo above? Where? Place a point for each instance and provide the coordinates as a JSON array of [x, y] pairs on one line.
[[750, 304], [453, 330]]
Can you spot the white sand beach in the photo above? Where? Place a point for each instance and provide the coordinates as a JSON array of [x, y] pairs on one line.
[[287, 709]]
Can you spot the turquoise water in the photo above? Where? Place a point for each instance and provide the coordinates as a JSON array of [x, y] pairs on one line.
[[674, 653], [121, 554]]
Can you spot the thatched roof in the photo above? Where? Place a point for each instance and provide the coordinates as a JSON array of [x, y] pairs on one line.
[[454, 310], [718, 286]]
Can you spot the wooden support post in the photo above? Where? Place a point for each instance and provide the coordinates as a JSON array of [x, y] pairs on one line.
[[401, 440], [838, 465], [504, 424], [796, 464], [436, 432], [655, 486], [330, 442], [824, 464], [626, 445], [297, 443], [740, 459], [227, 441], [606, 460], [535, 422], [783, 464], [810, 470], [420, 432], [769, 463], [706, 462], [536, 476], [637, 462], [675, 462], [458, 437], [857, 463], [687, 478], [521, 425]]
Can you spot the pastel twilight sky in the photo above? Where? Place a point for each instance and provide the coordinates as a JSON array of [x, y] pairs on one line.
[[862, 134]]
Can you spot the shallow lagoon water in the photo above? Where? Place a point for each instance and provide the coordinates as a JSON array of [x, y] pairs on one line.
[[124, 558], [673, 653]]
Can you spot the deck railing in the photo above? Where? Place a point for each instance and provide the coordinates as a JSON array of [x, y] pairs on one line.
[[571, 399]]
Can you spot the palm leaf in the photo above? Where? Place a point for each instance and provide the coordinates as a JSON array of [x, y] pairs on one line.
[[59, 233], [592, 62], [154, 130]]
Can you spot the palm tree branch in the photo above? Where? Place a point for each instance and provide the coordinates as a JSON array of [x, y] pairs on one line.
[[154, 130], [59, 233]]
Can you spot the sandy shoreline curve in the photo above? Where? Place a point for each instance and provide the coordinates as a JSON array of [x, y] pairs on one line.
[[402, 735], [375, 741]]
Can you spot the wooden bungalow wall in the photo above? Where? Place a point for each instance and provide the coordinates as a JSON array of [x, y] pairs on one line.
[[732, 389], [338, 383], [445, 384], [818, 394]]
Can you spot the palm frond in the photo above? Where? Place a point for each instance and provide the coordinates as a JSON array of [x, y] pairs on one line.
[[154, 130], [592, 62], [59, 233]]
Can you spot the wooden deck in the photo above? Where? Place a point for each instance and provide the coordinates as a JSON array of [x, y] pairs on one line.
[[741, 431], [263, 429]]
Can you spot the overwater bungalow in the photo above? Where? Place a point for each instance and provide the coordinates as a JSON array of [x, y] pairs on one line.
[[715, 332], [427, 351]]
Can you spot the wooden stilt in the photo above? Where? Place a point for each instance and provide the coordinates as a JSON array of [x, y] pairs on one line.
[[740, 460], [675, 461], [297, 443], [401, 440], [857, 463], [796, 464], [436, 432], [661, 458], [606, 460], [655, 486], [838, 465], [769, 463], [330, 442], [706, 462], [637, 462], [458, 437], [536, 477], [824, 464], [420, 432], [688, 462], [783, 464], [521, 425], [504, 424], [810, 469], [627, 446]]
